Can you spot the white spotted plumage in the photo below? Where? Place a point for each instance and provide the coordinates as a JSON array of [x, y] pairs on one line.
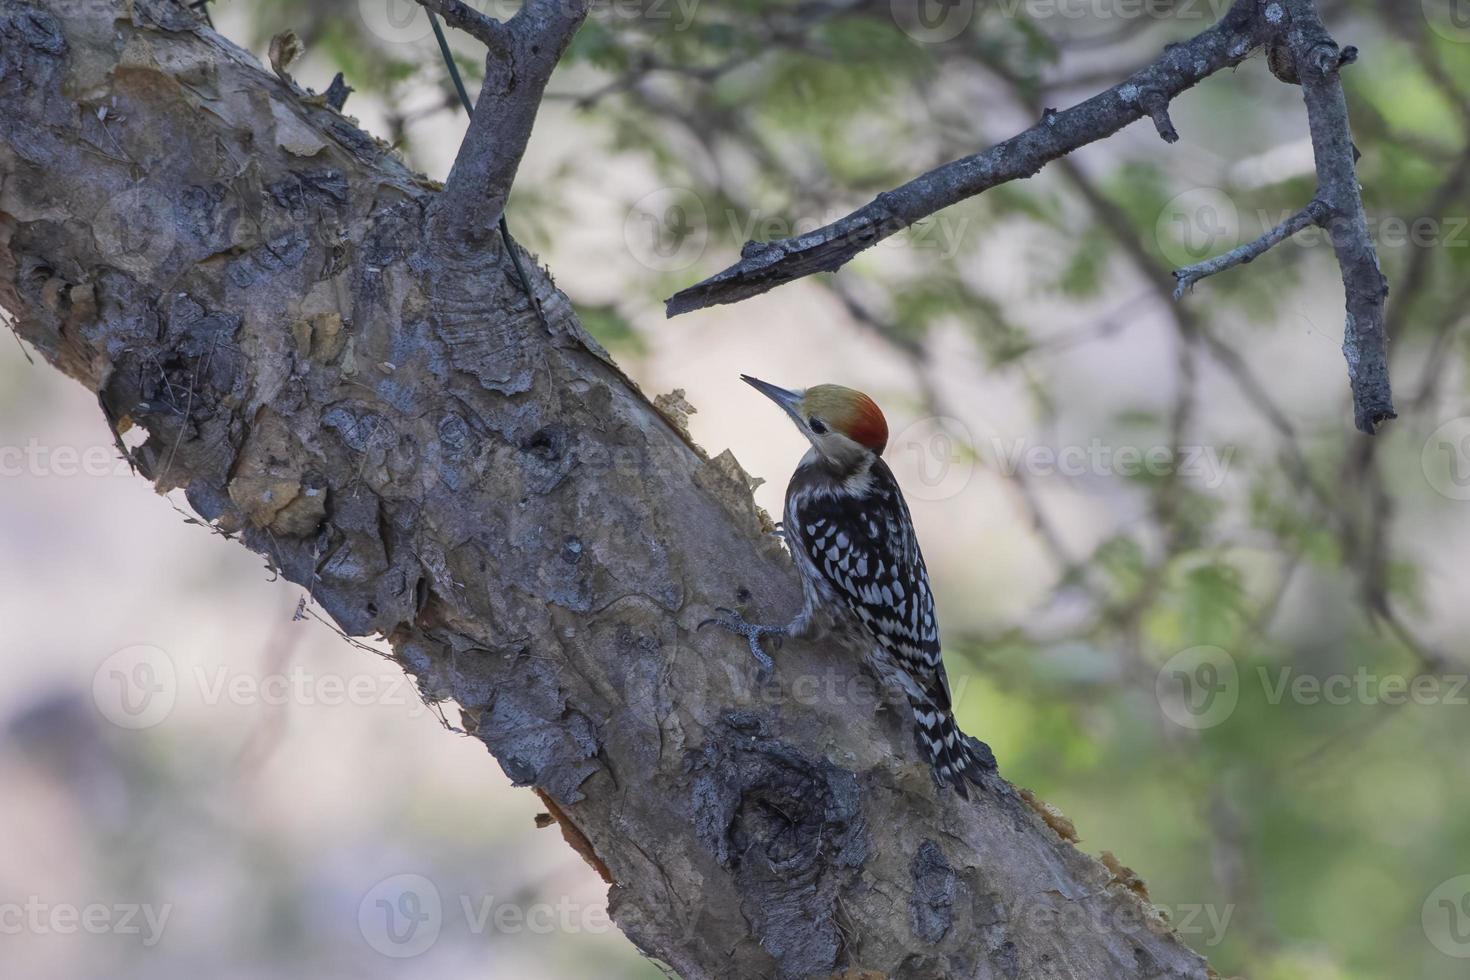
[[858, 554], [853, 541]]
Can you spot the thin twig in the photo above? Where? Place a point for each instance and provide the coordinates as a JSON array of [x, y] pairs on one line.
[[16, 334], [1185, 278]]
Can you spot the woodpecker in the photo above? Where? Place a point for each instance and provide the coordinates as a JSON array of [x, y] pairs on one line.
[[849, 532]]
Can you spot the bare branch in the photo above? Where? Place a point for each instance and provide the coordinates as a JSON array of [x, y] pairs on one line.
[[522, 55], [486, 30], [1365, 340], [1179, 68], [1312, 214]]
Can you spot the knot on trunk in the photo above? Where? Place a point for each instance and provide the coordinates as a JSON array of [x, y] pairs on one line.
[[790, 828]]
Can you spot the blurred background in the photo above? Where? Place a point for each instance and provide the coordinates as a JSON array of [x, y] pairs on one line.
[[1182, 598]]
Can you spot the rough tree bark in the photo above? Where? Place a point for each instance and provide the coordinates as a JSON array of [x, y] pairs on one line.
[[238, 270]]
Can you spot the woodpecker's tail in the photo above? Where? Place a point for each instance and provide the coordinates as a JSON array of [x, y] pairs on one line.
[[954, 756]]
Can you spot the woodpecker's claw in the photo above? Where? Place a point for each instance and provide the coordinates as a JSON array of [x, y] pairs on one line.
[[735, 623]]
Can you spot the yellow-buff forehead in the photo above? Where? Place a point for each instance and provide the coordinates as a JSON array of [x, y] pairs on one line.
[[848, 411]]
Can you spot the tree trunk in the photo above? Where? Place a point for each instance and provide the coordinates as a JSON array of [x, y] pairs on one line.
[[239, 271]]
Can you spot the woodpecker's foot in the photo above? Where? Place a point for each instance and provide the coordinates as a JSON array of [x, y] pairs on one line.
[[735, 623]]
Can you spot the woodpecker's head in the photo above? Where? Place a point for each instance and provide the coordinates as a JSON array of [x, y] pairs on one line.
[[844, 426]]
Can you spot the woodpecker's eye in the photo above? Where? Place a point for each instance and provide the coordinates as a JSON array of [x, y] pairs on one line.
[[818, 426]]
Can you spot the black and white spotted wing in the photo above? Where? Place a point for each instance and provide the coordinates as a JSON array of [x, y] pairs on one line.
[[855, 545], [863, 547]]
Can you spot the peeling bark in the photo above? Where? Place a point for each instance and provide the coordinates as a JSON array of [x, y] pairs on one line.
[[249, 278]]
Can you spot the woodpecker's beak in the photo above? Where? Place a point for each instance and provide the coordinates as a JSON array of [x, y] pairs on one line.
[[786, 399]]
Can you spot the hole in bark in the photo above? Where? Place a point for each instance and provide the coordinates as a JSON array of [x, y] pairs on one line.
[[781, 825], [544, 443]]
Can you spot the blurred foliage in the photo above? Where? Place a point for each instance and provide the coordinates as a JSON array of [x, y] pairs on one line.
[[1319, 828]]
